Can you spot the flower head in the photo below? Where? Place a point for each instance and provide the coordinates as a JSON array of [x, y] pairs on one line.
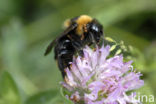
[[97, 79]]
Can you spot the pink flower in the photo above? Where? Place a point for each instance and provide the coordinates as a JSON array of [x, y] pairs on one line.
[[96, 79]]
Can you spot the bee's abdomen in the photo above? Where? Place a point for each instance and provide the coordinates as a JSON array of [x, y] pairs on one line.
[[64, 52]]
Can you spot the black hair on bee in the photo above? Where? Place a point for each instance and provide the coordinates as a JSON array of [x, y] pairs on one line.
[[80, 31]]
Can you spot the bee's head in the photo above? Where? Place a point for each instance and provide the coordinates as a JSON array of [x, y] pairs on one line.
[[89, 29], [95, 31]]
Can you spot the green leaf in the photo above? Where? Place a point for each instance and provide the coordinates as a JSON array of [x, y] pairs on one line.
[[63, 92], [8, 90], [47, 97], [14, 45], [121, 10], [151, 76], [150, 55], [138, 59], [128, 38]]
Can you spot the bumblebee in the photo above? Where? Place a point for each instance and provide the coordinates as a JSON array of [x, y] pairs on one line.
[[80, 31]]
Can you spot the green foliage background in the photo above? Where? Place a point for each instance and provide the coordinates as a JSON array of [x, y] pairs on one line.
[[27, 27]]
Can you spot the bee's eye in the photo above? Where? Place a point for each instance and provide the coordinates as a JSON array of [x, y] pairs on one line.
[[95, 28]]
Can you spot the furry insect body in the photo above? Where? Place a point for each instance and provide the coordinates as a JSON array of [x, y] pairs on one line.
[[80, 31]]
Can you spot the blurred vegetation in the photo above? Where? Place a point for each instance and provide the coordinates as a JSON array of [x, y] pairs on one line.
[[27, 27]]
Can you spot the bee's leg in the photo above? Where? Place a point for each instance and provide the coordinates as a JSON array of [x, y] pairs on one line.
[[93, 41], [61, 66], [64, 59], [77, 44]]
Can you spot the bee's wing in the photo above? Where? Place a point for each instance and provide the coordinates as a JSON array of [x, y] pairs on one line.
[[50, 46]]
